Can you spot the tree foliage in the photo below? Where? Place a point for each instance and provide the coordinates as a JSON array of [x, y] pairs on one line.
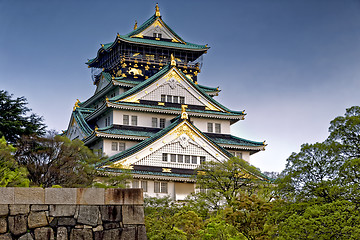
[[10, 173], [320, 188], [55, 160], [14, 118]]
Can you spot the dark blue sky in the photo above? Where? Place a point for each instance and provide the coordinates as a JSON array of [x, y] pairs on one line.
[[293, 65]]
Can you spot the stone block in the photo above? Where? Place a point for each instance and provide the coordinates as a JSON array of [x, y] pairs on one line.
[[128, 233], [37, 219], [62, 210], [111, 225], [63, 221], [133, 214], [60, 195], [3, 225], [77, 234], [17, 224], [7, 195], [44, 233], [29, 196], [109, 234], [98, 228], [141, 232], [88, 215], [26, 236], [90, 196], [110, 213], [41, 207], [19, 209], [6, 236], [62, 233], [124, 196], [4, 209]]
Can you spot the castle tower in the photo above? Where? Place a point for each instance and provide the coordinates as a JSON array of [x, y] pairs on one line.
[[149, 114]]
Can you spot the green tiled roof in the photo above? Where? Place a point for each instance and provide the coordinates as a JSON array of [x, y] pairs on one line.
[[127, 132], [158, 75], [149, 173], [79, 115], [233, 140], [147, 23], [138, 146], [208, 89]]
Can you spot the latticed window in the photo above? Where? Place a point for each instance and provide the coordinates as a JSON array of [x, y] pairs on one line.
[[217, 128], [121, 146], [169, 98], [163, 98], [210, 127], [194, 159], [163, 187], [202, 159], [182, 100], [162, 122], [114, 146], [156, 187], [126, 120], [180, 158], [173, 157], [135, 184], [187, 159], [154, 122], [134, 120], [165, 157], [144, 186], [175, 99]]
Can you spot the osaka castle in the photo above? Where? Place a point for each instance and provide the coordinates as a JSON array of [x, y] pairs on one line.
[[151, 115]]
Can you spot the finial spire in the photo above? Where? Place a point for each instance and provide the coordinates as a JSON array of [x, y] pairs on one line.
[[173, 61], [135, 26], [157, 11]]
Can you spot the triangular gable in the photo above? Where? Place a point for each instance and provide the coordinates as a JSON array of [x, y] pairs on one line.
[[173, 82], [74, 130], [102, 83], [180, 133]]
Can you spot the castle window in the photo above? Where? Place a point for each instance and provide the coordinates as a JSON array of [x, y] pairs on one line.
[[168, 98], [210, 127], [162, 122], [144, 186], [121, 146], [114, 146], [135, 184], [217, 128], [187, 159], [173, 157], [202, 159], [160, 187], [175, 99], [194, 159], [107, 121], [182, 100], [163, 98], [134, 120], [154, 122], [126, 120], [180, 158], [165, 157]]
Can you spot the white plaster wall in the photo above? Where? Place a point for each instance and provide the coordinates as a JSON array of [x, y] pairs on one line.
[[101, 122], [144, 119], [201, 124], [108, 142]]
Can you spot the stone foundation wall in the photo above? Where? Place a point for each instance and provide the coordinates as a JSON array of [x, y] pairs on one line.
[[71, 213]]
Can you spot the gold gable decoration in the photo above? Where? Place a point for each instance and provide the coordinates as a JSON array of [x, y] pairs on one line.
[[157, 11]]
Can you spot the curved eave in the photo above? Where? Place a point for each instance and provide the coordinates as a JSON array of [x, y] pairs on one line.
[[160, 109], [240, 147], [134, 40]]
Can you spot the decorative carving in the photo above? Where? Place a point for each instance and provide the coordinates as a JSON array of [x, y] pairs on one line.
[[135, 71], [173, 61], [157, 11], [166, 170], [184, 114], [184, 141], [184, 129]]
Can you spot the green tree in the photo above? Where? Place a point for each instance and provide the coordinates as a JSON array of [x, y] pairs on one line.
[[226, 180], [55, 160], [319, 188], [14, 118], [10, 173]]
